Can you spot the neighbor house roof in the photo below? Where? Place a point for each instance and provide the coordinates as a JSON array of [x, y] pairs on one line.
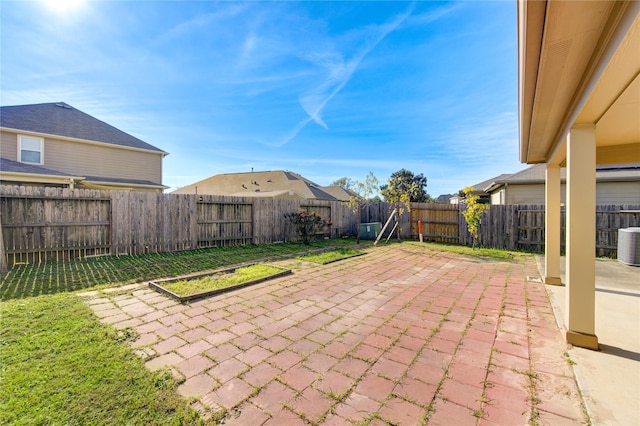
[[120, 181], [10, 166], [536, 175], [13, 170], [444, 198], [482, 186], [262, 184], [339, 192], [60, 119]]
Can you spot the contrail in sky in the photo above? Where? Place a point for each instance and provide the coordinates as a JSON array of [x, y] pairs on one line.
[[314, 101]]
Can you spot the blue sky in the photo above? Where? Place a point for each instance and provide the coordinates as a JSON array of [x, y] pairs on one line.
[[323, 89]]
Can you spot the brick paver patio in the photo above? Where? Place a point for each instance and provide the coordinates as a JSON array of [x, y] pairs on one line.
[[399, 336]]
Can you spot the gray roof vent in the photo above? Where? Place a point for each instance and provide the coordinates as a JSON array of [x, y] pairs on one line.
[[63, 105]]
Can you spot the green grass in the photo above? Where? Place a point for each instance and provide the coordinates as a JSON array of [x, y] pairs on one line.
[[60, 366], [220, 280], [108, 271], [483, 253], [330, 256]]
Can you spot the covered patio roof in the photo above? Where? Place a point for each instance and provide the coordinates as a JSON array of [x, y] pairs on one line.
[[579, 62], [579, 106]]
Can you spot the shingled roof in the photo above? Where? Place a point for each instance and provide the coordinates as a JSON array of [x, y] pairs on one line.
[[536, 174], [263, 184], [60, 119]]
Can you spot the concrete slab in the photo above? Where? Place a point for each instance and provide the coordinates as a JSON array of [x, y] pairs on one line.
[[610, 378]]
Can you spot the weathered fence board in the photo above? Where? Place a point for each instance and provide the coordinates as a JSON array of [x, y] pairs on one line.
[[224, 220], [64, 225], [40, 224], [439, 221], [521, 227]]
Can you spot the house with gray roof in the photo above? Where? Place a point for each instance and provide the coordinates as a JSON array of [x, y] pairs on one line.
[[617, 184], [55, 144], [268, 184]]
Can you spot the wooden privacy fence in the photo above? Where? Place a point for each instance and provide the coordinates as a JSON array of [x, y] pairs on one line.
[[521, 227], [440, 222], [516, 227], [40, 224], [48, 224]]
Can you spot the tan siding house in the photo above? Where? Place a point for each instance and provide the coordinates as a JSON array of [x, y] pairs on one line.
[[89, 152], [619, 185]]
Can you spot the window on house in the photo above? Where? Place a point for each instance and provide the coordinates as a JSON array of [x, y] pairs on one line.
[[30, 149]]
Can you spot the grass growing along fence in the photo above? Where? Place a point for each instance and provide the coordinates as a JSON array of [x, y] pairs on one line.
[[481, 252], [55, 277]]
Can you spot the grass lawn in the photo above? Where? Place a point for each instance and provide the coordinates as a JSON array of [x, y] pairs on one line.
[[61, 366], [331, 256], [110, 271], [220, 280], [483, 253]]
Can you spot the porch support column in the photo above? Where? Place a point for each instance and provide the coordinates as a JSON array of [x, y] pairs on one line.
[[552, 225], [581, 236]]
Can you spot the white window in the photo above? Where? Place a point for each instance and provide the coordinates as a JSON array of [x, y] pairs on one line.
[[30, 149]]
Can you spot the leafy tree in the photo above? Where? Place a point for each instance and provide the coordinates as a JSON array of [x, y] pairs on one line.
[[364, 192], [405, 182], [397, 192], [344, 182], [473, 212]]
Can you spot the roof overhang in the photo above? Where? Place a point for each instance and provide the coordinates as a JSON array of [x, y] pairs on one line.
[[39, 178], [578, 63], [119, 186], [74, 180]]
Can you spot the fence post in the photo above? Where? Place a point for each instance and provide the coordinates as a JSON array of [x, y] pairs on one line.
[[3, 259]]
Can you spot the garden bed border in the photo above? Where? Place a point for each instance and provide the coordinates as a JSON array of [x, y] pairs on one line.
[[157, 284], [331, 261]]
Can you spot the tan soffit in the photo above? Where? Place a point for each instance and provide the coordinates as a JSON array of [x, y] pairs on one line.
[[586, 72]]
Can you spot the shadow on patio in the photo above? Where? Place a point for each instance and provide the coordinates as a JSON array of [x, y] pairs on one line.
[[610, 378]]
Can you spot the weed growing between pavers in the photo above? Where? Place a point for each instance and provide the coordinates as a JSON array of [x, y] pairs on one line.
[[61, 366]]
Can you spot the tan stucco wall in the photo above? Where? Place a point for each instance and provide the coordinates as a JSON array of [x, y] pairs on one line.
[[81, 159]]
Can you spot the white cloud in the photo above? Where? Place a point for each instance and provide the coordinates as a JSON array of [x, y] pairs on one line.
[[203, 21]]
